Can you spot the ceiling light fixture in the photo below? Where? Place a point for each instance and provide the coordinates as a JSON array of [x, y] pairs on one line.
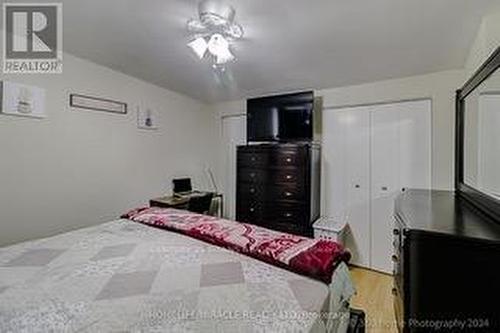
[[214, 31]]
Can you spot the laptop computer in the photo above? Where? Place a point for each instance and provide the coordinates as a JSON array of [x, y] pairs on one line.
[[182, 187]]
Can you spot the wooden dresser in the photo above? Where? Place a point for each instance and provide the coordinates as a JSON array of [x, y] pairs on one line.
[[278, 186], [446, 264]]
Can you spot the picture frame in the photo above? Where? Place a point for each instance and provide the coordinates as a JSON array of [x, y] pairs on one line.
[[97, 104], [147, 118], [17, 99]]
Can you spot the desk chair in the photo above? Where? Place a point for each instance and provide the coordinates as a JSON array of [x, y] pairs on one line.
[[200, 203]]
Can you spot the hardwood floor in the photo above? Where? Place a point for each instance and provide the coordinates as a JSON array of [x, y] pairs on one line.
[[374, 297]]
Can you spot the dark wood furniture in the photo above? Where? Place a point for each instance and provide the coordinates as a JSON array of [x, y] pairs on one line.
[[200, 203], [483, 201], [446, 256], [447, 245], [171, 201], [278, 186]]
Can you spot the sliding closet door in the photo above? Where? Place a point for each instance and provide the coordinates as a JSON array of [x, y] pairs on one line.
[[415, 144], [400, 158], [233, 134], [346, 176], [385, 182]]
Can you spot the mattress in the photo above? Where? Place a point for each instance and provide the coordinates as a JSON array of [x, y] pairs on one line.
[[125, 276]]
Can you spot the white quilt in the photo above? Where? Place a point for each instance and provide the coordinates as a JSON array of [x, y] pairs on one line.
[[126, 277]]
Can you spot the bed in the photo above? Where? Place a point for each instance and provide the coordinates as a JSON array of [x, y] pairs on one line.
[[127, 276]]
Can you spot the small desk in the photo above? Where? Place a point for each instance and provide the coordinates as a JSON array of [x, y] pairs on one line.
[[169, 202], [172, 201]]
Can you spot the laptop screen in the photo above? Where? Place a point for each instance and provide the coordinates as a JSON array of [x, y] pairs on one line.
[[182, 185]]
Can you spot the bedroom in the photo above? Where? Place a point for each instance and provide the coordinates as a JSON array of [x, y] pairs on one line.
[[103, 109]]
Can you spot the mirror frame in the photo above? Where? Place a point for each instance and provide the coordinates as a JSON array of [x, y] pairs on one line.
[[484, 202]]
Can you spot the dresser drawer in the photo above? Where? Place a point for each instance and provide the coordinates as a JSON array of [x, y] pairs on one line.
[[294, 176], [289, 228], [251, 192], [249, 211], [290, 158], [285, 212], [285, 192], [270, 157], [253, 175], [253, 159]]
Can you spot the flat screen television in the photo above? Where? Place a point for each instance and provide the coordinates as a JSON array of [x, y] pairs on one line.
[[281, 118]]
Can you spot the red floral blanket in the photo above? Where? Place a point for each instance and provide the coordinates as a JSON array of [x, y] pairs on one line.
[[311, 257]]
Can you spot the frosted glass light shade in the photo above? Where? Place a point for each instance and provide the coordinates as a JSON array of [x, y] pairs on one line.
[[219, 47], [199, 46]]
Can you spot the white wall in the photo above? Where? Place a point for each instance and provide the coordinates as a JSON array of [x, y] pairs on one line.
[[77, 168], [487, 41]]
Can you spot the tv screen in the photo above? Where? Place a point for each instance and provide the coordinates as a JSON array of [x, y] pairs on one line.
[[280, 118]]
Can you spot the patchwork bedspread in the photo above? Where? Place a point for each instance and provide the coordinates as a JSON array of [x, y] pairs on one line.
[[123, 276]]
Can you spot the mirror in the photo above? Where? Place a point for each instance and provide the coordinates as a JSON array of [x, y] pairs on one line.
[[481, 141]]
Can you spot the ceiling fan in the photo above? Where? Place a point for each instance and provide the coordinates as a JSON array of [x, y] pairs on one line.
[[213, 32]]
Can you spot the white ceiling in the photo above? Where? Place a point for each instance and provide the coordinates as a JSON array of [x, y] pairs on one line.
[[288, 45]]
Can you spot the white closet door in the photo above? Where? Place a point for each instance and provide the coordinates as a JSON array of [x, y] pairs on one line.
[[233, 134], [385, 182], [346, 176], [400, 157], [415, 144]]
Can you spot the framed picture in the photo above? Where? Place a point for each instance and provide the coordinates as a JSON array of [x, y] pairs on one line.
[[22, 100], [147, 118], [97, 104]]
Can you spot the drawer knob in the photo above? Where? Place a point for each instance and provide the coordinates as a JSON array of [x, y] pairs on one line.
[[288, 159], [395, 232], [252, 209], [253, 158], [252, 175], [288, 177], [394, 291], [394, 258], [252, 190], [288, 214], [288, 194]]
